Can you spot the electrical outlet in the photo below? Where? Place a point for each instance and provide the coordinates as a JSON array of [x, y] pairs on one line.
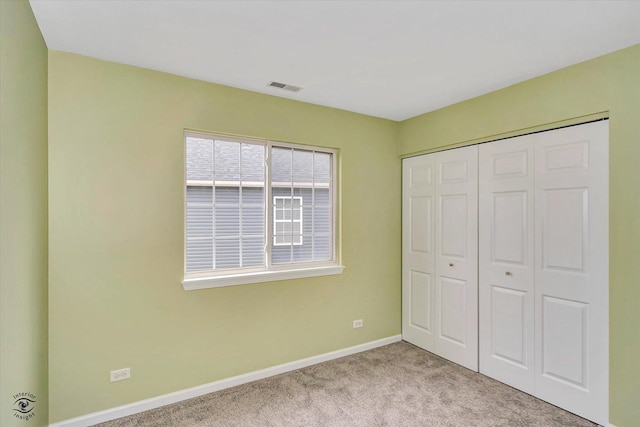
[[120, 374], [358, 323]]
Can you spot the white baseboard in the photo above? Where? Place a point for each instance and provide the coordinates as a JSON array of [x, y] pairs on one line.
[[166, 399]]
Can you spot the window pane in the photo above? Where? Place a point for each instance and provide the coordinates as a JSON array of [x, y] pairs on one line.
[[304, 192], [307, 220], [228, 253], [227, 196], [199, 254], [253, 251], [295, 228], [321, 219], [252, 196], [252, 164], [199, 228], [303, 253], [281, 254], [281, 165], [227, 212], [227, 161], [199, 212], [253, 222], [321, 197], [302, 166], [322, 168], [199, 159], [282, 190], [322, 248]]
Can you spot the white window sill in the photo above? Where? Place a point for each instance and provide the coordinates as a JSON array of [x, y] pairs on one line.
[[190, 284]]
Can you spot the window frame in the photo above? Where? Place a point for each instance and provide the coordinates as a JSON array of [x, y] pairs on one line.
[[268, 272]]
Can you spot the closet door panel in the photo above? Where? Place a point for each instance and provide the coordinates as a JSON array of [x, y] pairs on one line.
[[506, 273], [456, 252], [572, 269], [418, 269], [420, 290], [453, 315]]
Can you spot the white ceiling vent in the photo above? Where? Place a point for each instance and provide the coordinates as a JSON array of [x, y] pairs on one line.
[[290, 88]]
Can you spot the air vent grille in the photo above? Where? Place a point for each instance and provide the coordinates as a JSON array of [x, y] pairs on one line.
[[285, 86]]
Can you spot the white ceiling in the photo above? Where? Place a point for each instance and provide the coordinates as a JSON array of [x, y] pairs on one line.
[[390, 59]]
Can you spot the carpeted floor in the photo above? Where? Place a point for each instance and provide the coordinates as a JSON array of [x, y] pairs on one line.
[[395, 385]]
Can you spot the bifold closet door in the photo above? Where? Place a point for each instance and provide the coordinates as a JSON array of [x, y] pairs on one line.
[[456, 257], [418, 268], [439, 254], [506, 256], [572, 273], [544, 266]]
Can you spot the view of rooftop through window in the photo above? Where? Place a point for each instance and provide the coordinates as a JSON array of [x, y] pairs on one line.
[[239, 192]]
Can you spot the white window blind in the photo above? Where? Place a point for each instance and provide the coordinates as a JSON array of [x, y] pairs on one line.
[[251, 205]]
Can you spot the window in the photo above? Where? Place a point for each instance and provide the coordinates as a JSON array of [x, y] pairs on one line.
[[257, 211], [287, 221]]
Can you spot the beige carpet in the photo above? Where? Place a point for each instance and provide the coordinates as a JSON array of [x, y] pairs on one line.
[[395, 385]]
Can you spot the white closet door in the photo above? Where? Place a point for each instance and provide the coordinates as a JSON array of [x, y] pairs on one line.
[[506, 271], [571, 274], [418, 270], [456, 256]]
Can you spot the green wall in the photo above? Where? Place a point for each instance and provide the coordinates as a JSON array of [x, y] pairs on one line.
[[23, 213], [116, 224], [116, 238], [609, 85]]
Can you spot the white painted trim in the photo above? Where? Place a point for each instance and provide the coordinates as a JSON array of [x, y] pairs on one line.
[[178, 396], [193, 283]]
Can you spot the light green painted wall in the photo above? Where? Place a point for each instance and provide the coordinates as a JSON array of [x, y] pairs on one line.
[[23, 212], [116, 225], [610, 83], [116, 238]]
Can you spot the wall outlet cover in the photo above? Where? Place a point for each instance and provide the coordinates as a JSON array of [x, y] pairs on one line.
[[120, 374]]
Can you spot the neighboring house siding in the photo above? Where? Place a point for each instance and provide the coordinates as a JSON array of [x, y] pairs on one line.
[[230, 218]]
